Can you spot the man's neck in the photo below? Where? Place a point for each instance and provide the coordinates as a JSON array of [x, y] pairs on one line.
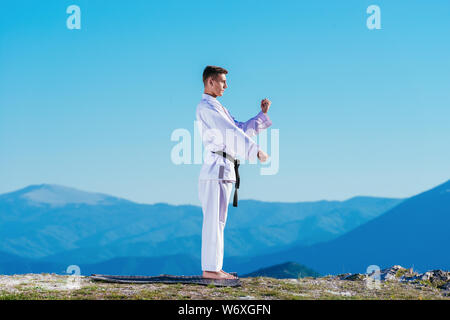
[[211, 94]]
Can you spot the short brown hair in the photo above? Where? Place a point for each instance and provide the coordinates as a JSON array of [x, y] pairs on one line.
[[212, 71]]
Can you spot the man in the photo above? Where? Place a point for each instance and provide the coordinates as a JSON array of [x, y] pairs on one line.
[[221, 133]]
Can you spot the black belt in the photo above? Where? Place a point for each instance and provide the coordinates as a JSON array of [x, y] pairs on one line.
[[236, 170]]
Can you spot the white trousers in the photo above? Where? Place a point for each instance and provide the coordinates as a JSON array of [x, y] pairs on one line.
[[214, 196]]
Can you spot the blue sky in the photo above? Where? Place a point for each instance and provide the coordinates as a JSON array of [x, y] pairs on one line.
[[359, 111]]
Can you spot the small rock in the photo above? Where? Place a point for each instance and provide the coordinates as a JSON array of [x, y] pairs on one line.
[[354, 277], [293, 280], [344, 293], [445, 287], [341, 276], [247, 298], [392, 273], [436, 275]]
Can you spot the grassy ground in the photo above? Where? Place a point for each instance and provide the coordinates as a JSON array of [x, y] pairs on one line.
[[51, 286]]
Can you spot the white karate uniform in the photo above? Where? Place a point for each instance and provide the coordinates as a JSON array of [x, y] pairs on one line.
[[217, 173]]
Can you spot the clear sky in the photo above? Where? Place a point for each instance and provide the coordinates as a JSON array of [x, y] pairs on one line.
[[359, 111]]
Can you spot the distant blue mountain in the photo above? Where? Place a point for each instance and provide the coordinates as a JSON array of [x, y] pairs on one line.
[[11, 264], [68, 226], [415, 233]]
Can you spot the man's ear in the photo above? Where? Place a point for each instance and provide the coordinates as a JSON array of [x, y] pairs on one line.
[[211, 81]]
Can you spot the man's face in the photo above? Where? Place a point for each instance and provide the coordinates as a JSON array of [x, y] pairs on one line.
[[218, 85]]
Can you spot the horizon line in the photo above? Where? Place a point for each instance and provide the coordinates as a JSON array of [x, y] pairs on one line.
[[191, 204]]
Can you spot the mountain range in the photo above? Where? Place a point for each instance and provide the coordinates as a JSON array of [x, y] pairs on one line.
[[45, 228], [65, 225]]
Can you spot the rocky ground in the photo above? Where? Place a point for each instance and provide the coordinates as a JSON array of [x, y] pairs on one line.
[[392, 283]]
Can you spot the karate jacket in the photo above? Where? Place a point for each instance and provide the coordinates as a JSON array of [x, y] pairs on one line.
[[216, 127]]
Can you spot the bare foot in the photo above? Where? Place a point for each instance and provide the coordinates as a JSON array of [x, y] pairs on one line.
[[233, 277], [216, 275]]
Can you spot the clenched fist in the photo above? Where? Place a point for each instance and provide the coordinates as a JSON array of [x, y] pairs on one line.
[[262, 156], [265, 105]]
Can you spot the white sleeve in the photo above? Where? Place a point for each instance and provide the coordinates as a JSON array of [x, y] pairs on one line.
[[220, 134], [253, 126]]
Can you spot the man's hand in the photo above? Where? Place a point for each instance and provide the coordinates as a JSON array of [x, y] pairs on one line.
[[265, 105], [262, 156]]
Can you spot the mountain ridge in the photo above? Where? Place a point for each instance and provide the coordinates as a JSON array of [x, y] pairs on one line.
[[61, 227]]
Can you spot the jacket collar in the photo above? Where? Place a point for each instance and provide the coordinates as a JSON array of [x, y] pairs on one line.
[[215, 103], [209, 98]]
